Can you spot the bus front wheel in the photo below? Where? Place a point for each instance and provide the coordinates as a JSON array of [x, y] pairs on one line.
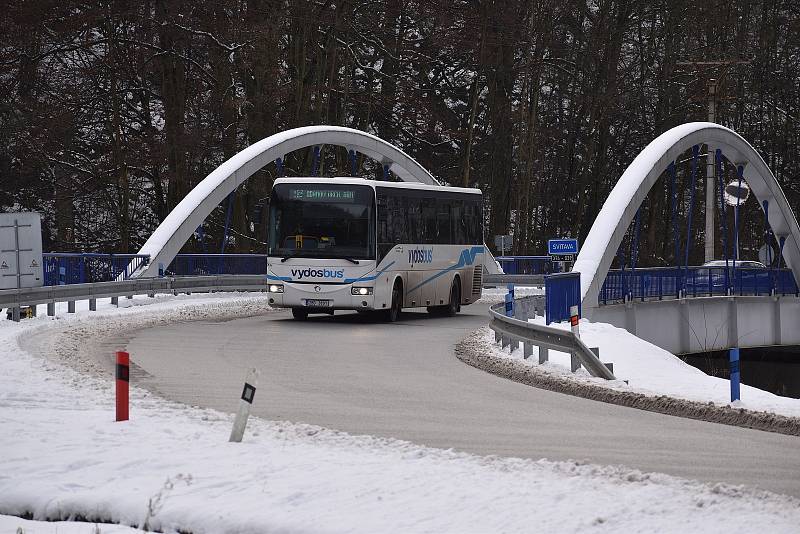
[[300, 314], [396, 308]]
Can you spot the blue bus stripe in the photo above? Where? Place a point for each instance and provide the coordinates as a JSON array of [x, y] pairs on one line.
[[368, 278], [346, 281], [467, 258]]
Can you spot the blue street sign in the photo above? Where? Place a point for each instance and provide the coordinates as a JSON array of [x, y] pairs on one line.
[[562, 246]]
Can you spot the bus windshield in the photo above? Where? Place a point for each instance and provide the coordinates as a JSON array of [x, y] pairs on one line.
[[322, 221]]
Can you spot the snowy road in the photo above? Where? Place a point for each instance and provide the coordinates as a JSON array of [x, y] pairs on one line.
[[402, 380]]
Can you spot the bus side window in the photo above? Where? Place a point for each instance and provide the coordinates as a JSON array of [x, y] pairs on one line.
[[473, 222], [458, 222], [414, 219], [429, 221], [392, 221], [383, 231], [398, 222], [444, 235]]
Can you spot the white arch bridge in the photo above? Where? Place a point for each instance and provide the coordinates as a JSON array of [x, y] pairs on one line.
[[680, 325], [181, 223], [683, 324]]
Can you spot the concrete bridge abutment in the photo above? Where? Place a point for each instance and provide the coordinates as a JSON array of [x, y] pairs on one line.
[[703, 324]]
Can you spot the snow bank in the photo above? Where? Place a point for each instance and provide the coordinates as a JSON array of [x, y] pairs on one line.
[[651, 370], [12, 524], [171, 467]]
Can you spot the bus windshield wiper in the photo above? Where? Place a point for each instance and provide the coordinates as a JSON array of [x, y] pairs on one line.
[[290, 255], [352, 260]]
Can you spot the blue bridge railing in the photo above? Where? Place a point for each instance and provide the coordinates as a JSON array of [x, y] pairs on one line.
[[208, 264], [61, 268], [527, 264], [639, 284], [670, 282]]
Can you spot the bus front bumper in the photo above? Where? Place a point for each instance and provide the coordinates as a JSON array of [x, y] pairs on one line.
[[319, 297]]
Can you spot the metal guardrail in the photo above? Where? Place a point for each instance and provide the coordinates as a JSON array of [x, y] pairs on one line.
[[141, 286], [490, 280], [515, 330], [528, 264], [15, 298]]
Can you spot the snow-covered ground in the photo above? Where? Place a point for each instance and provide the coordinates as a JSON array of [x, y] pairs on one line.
[[171, 467], [650, 370], [15, 525], [493, 295]]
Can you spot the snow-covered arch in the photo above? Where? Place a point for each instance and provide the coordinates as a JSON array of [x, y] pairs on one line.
[[182, 221], [620, 208]]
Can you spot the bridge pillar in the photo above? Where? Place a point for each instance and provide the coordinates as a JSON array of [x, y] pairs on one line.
[[683, 311], [733, 323], [776, 320]]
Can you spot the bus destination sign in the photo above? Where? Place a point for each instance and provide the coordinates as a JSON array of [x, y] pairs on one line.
[[323, 195]]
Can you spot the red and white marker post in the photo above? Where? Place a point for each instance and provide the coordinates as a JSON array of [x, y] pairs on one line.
[[123, 381], [574, 321]]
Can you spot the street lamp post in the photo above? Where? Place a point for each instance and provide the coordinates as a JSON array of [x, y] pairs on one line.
[[736, 193]]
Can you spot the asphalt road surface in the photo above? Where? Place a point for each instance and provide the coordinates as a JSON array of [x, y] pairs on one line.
[[403, 380]]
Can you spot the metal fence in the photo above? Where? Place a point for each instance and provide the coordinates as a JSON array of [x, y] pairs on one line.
[[215, 264], [674, 282], [64, 268]]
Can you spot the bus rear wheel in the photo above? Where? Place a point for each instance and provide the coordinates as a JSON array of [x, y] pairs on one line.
[[454, 306], [300, 314]]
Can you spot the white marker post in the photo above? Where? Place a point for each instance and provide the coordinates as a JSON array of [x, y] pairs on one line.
[[248, 393]]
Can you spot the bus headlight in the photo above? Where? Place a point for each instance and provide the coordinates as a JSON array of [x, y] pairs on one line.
[[276, 288], [361, 291]]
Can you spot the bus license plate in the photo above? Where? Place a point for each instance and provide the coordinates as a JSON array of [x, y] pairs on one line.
[[317, 303]]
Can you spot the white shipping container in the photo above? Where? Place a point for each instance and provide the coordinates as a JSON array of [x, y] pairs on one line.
[[21, 250]]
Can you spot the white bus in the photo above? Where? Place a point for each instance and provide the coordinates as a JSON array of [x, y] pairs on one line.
[[356, 244]]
